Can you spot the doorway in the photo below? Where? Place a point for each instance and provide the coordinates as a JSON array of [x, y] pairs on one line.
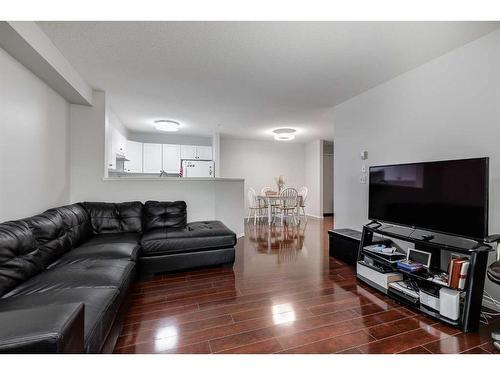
[[327, 178]]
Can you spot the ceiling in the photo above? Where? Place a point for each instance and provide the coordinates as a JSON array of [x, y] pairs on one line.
[[244, 79]]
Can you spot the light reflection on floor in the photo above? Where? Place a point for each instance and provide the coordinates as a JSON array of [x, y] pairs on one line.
[[166, 338], [283, 313]]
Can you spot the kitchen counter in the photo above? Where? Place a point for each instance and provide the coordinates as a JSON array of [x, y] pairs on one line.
[[139, 178]]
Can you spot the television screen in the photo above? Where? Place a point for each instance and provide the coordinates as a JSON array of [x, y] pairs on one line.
[[442, 196]]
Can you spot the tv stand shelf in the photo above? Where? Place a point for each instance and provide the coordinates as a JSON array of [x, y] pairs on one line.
[[446, 242], [436, 244]]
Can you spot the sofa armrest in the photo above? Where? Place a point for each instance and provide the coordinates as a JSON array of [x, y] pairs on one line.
[[47, 329]]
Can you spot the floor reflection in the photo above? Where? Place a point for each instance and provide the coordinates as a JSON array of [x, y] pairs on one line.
[[284, 242], [166, 338], [283, 313]]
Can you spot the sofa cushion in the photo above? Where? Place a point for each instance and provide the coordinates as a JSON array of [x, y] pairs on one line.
[[196, 236], [101, 307], [43, 330], [20, 257], [104, 246], [50, 235], [158, 215], [76, 223], [58, 230], [123, 217], [95, 273]]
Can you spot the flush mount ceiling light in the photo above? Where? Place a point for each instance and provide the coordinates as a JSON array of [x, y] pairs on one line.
[[167, 125], [284, 134]]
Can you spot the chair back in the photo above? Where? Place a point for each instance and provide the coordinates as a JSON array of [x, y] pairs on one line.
[[252, 198], [289, 197], [303, 193]]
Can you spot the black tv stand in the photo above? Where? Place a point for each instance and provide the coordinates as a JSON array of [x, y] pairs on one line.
[[436, 244], [374, 224]]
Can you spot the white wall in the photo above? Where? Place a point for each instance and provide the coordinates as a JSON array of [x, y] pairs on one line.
[[314, 178], [259, 162], [28, 44], [34, 126], [447, 108], [88, 183], [115, 122]]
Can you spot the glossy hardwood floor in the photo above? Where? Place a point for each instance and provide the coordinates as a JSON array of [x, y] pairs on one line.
[[283, 295]]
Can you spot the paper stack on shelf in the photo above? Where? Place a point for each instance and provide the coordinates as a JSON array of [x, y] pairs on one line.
[[387, 254]]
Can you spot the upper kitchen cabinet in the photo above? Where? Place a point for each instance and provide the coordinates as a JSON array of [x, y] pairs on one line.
[[117, 146], [188, 152], [204, 152], [152, 158], [120, 142], [196, 152], [172, 158], [134, 156], [111, 153]]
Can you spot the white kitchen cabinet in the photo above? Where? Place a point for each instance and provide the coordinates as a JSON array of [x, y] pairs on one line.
[[117, 144], [204, 152], [121, 144], [111, 156], [196, 152], [152, 158], [188, 152], [172, 158], [134, 156]]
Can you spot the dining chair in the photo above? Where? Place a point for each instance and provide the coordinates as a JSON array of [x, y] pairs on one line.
[[302, 201], [263, 192], [254, 205], [288, 204]]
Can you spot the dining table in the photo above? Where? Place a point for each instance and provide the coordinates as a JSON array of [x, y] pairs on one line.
[[273, 200]]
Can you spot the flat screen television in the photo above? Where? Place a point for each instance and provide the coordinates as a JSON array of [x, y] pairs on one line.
[[441, 196]]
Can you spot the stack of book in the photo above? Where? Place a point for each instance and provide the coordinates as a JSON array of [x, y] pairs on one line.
[[457, 272], [408, 265]]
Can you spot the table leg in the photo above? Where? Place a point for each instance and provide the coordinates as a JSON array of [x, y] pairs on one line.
[[269, 212]]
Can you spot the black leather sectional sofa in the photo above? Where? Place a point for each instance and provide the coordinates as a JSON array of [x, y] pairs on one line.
[[65, 275]]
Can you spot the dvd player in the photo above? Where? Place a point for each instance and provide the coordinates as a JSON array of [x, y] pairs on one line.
[[405, 290]]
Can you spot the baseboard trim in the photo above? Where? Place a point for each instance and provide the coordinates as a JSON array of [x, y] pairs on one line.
[[265, 217], [240, 235], [315, 216]]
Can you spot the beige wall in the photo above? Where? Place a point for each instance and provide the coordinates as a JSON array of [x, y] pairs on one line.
[[314, 178], [34, 153], [259, 162]]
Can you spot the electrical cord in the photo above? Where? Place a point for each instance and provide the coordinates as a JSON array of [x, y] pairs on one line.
[[486, 315]]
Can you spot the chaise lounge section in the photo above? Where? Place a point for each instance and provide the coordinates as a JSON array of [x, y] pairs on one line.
[[80, 261], [170, 243]]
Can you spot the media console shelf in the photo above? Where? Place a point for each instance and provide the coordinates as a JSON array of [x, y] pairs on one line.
[[441, 247]]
